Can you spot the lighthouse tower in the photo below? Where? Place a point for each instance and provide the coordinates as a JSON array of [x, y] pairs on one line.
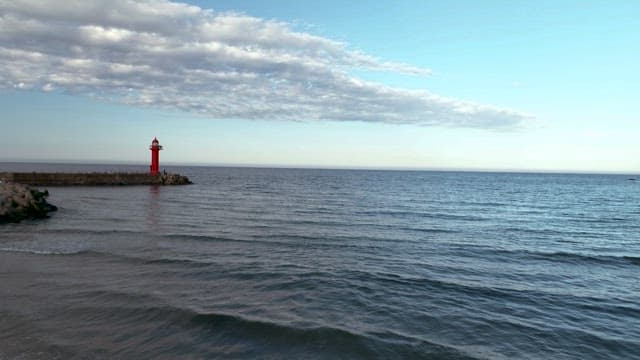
[[155, 148]]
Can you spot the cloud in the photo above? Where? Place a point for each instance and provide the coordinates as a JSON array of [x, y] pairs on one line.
[[221, 65]]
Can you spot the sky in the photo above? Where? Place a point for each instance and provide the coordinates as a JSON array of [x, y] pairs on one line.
[[475, 85]]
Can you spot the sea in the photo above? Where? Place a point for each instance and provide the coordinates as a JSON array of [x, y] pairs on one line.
[[270, 263]]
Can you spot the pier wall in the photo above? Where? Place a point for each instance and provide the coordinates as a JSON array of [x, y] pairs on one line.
[[92, 179]]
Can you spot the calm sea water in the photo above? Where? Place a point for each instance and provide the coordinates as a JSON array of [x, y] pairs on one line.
[[327, 264]]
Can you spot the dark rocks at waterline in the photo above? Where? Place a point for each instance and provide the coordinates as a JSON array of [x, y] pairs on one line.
[[174, 179], [19, 202]]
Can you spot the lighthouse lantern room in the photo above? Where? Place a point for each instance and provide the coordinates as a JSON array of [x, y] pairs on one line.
[[155, 148]]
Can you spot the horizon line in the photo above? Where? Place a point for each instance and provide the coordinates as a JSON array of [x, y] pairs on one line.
[[329, 167]]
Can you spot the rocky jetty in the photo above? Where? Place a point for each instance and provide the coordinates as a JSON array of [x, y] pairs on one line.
[[19, 202], [174, 179], [94, 179]]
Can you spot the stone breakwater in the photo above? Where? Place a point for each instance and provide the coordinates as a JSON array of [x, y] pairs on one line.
[[19, 202], [93, 179]]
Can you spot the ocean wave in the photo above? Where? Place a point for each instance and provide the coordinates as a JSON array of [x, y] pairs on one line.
[[633, 259], [404, 214], [109, 232], [126, 258], [331, 340], [148, 329], [545, 232], [426, 230], [568, 257], [211, 238], [232, 335], [49, 251], [461, 291], [177, 261], [576, 257], [293, 240], [548, 337]]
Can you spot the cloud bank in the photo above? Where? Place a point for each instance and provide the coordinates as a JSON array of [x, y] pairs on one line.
[[221, 65]]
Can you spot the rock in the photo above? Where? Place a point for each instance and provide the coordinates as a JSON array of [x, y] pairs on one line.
[[174, 179], [19, 202]]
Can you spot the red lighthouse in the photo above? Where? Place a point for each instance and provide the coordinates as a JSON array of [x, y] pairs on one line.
[[155, 148]]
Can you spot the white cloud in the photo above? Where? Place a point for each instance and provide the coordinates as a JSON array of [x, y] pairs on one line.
[[222, 65]]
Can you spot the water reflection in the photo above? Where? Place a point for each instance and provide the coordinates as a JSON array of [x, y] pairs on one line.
[[153, 208]]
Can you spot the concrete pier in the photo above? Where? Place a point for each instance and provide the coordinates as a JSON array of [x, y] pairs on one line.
[[93, 179]]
